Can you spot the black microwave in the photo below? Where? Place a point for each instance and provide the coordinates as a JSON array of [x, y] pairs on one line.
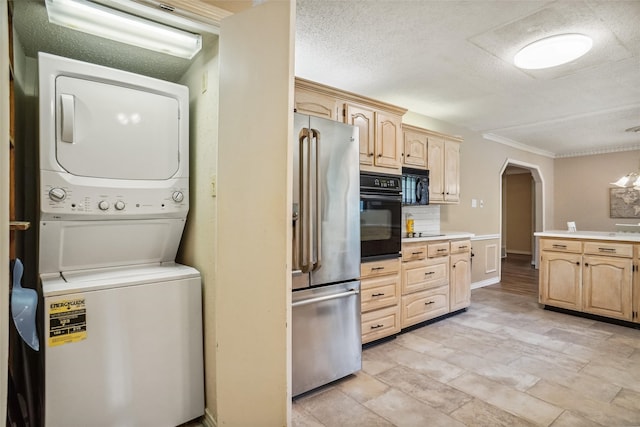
[[415, 186]]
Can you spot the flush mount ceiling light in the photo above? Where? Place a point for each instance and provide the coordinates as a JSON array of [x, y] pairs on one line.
[[552, 51], [92, 18]]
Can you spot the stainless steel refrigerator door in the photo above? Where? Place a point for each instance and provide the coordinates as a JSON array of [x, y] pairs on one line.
[[326, 335], [326, 191]]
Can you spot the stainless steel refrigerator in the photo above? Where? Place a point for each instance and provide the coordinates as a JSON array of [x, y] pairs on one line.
[[326, 327]]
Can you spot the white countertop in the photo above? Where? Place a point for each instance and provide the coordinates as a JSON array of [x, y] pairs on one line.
[[446, 235], [593, 235]]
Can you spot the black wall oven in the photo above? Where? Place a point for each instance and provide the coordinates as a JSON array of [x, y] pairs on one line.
[[380, 216]]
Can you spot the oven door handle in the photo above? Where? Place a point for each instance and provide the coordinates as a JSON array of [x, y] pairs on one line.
[[383, 197]]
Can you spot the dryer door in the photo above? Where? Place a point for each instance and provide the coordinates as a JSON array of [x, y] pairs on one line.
[[109, 131]]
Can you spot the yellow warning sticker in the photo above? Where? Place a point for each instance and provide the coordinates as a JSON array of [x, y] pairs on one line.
[[67, 322]]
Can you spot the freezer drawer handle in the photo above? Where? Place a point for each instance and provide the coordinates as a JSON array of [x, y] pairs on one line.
[[348, 293]]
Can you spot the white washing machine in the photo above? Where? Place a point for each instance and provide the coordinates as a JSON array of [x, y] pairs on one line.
[[121, 329]]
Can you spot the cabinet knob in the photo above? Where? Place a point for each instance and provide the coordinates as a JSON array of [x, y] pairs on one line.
[[370, 154], [380, 155]]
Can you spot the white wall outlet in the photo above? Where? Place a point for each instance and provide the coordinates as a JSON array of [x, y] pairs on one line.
[[481, 203], [474, 203]]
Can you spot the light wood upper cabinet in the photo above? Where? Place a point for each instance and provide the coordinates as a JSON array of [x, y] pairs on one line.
[[388, 138], [364, 119], [415, 147], [380, 123], [443, 155], [316, 104], [451, 171], [380, 133]]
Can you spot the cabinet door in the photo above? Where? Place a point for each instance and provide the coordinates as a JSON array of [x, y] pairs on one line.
[[364, 119], [435, 162], [452, 171], [460, 281], [561, 280], [607, 286], [388, 141], [415, 149], [316, 104]]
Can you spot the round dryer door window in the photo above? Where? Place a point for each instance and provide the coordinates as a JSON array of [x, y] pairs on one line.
[[110, 131]]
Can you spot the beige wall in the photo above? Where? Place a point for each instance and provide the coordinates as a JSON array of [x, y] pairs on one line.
[[481, 165], [582, 189], [253, 277], [198, 248]]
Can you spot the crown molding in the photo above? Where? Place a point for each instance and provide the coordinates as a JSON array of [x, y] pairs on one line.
[[515, 144]]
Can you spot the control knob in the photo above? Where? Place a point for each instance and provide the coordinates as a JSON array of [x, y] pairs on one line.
[[119, 205], [177, 196], [57, 194], [103, 205]]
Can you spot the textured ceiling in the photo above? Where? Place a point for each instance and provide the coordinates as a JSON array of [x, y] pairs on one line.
[[449, 60], [452, 60]]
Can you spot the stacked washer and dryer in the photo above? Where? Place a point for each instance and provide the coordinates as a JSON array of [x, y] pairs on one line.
[[121, 322]]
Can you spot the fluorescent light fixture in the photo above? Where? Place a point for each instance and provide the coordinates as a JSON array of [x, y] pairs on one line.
[[101, 21], [552, 51]]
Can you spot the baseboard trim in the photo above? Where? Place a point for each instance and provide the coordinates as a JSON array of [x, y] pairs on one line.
[[517, 252], [208, 420], [486, 282]]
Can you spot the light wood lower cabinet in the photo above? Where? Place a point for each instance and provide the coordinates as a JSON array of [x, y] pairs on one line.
[[436, 279], [561, 280], [594, 277], [380, 299], [380, 323], [607, 286], [460, 281], [424, 305]]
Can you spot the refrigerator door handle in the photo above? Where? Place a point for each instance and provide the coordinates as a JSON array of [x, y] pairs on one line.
[[305, 246], [325, 298], [317, 238]]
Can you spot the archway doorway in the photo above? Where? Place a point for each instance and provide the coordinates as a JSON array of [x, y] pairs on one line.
[[521, 200]]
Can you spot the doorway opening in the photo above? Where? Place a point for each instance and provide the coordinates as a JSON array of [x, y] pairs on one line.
[[521, 201]]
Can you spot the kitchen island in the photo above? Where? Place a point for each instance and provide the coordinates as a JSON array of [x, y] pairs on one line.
[[591, 272]]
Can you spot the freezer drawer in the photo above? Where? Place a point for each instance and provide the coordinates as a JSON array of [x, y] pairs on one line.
[[126, 356], [326, 336]]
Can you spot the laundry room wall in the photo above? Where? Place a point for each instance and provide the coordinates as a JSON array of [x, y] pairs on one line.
[[199, 241]]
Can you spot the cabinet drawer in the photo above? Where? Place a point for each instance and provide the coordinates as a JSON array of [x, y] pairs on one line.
[[379, 268], [378, 292], [429, 276], [611, 249], [437, 249], [459, 246], [424, 305], [561, 245], [380, 323], [414, 251]]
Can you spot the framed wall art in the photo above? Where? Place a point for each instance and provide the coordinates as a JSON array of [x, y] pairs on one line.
[[624, 203]]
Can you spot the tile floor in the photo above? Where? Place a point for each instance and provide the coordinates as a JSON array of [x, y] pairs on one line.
[[503, 362]]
